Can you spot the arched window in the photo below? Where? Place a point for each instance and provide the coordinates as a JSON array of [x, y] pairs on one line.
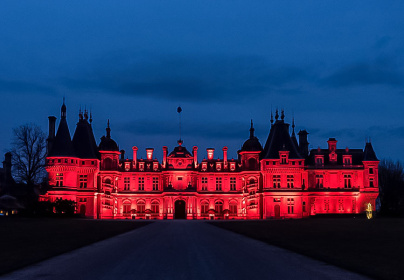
[[127, 208], [155, 207], [233, 208], [252, 164], [219, 208], [141, 207], [107, 164], [204, 208]]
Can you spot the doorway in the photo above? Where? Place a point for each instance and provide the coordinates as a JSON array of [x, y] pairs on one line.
[[179, 210], [277, 211]]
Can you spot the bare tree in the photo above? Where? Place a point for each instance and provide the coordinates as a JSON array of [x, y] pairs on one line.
[[29, 152], [391, 182]]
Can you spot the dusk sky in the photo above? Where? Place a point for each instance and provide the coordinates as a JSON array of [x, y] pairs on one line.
[[337, 66]]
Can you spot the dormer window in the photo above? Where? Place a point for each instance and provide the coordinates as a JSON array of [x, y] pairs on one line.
[[232, 166], [319, 160], [204, 166], [155, 166], [141, 166], [347, 160], [283, 155], [127, 166], [218, 166]]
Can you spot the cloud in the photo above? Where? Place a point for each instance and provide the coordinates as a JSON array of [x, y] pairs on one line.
[[14, 86], [203, 78], [383, 71]]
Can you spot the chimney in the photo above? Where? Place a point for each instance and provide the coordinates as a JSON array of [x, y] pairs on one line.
[[210, 153], [149, 153], [195, 153], [7, 163], [122, 154], [134, 148], [165, 150], [332, 145], [303, 144], [51, 136], [225, 156]]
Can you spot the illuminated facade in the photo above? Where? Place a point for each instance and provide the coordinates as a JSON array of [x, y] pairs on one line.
[[283, 179]]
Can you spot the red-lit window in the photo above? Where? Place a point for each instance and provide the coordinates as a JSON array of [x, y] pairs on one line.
[[304, 206], [326, 205], [283, 159], [204, 208], [232, 183], [218, 183], [371, 182], [155, 183], [219, 208], [340, 204], [126, 183], [291, 204], [155, 207], [83, 181], [371, 170], [126, 209], [233, 208], [290, 181], [319, 181], [276, 181], [141, 183], [141, 207], [347, 181], [59, 179], [204, 186]]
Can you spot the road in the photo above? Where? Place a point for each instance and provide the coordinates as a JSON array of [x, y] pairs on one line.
[[181, 250]]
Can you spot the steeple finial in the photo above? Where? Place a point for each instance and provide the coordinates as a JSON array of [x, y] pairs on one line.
[[293, 126], [179, 110], [91, 117], [63, 110], [80, 114], [282, 114], [272, 118], [108, 129], [252, 130], [276, 114]]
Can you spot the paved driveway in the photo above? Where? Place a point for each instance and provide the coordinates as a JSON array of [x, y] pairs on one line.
[[181, 250]]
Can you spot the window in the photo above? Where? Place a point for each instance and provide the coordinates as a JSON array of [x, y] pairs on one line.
[[371, 183], [204, 208], [59, 179], [291, 204], [347, 161], [319, 160], [218, 183], [319, 181], [290, 181], [155, 183], [277, 181], [219, 208], [126, 183], [204, 183], [232, 183], [304, 206], [126, 209], [140, 207], [371, 170], [82, 181], [141, 183], [283, 159], [233, 208], [347, 181], [155, 207]]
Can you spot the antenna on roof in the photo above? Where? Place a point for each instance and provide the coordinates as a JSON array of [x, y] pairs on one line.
[[179, 110]]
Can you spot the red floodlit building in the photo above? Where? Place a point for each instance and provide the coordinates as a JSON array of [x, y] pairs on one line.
[[283, 179]]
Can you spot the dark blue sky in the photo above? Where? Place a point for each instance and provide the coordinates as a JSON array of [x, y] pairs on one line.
[[336, 65]]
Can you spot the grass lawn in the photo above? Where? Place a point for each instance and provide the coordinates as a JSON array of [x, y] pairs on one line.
[[371, 247], [25, 241]]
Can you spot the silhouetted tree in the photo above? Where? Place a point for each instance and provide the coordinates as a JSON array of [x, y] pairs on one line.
[[391, 187], [29, 151]]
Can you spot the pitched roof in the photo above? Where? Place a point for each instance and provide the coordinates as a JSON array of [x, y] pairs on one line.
[[357, 156], [84, 142], [280, 140], [62, 145], [369, 153]]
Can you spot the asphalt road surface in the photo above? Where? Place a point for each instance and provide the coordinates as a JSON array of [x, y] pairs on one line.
[[181, 250]]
